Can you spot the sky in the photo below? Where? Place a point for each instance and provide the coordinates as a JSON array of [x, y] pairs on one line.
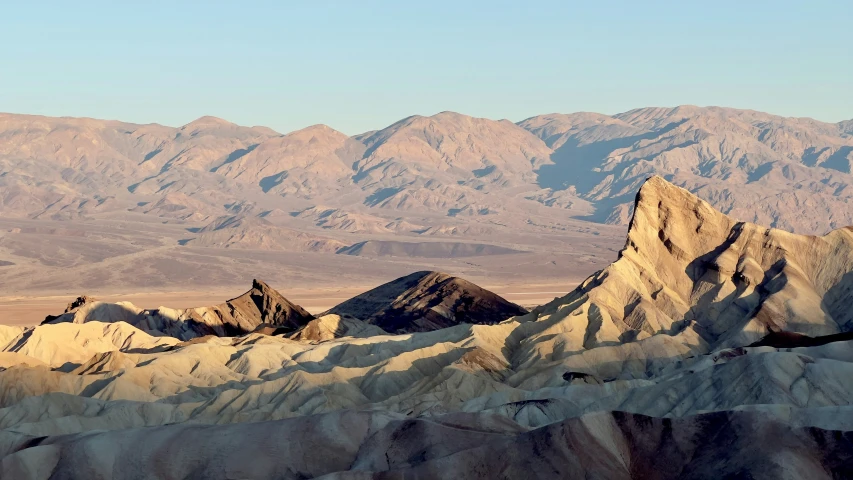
[[362, 65]]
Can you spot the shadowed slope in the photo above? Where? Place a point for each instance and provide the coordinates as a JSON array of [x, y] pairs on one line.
[[260, 305], [614, 380], [367, 445], [786, 164], [426, 301], [686, 266]]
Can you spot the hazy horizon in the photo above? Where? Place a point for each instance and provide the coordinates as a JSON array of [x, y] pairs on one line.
[[362, 67], [380, 127]]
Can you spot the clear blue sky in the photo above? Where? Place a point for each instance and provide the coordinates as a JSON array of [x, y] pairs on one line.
[[361, 65]]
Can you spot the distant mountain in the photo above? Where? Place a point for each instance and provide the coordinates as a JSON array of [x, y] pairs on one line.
[[846, 126], [305, 163], [58, 162], [448, 192], [751, 165], [446, 161], [392, 248], [340, 219]]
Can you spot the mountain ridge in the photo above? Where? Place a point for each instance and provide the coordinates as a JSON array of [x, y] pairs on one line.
[[710, 346], [259, 306], [685, 263], [542, 186], [708, 150]]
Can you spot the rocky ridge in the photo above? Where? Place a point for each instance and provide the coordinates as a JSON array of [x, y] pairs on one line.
[[262, 305], [586, 164], [688, 357], [425, 301]]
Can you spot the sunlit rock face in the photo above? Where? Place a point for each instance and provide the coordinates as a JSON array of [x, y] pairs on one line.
[[710, 348], [262, 305]]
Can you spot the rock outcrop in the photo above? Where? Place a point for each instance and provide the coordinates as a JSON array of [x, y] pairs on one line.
[[686, 266], [330, 327], [238, 316], [711, 348], [425, 301]]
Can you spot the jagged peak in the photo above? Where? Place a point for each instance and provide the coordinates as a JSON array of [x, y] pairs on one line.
[[262, 286], [666, 213], [78, 302], [657, 192]]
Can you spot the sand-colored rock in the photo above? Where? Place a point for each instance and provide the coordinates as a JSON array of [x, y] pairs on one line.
[[710, 348], [262, 305], [363, 445], [329, 327], [685, 266]]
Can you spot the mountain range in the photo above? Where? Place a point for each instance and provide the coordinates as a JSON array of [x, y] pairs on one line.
[[447, 179], [588, 164], [710, 348]]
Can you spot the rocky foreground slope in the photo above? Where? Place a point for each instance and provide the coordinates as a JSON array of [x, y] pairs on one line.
[[711, 348], [260, 306]]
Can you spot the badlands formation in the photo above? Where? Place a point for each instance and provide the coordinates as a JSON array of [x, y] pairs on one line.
[[711, 348]]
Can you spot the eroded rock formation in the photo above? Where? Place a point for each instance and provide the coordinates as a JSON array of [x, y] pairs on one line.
[[711, 348], [426, 301], [240, 315]]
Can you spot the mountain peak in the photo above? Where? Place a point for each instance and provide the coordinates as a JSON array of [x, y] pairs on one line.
[[207, 121], [450, 114], [264, 304], [318, 130], [261, 305], [261, 286], [666, 213], [425, 301]]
